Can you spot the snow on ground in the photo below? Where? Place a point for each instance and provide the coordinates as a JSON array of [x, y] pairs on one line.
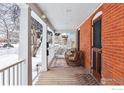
[[6, 51], [9, 56], [35, 60], [7, 60]]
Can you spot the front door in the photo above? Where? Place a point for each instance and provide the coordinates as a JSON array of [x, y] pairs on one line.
[[97, 48]]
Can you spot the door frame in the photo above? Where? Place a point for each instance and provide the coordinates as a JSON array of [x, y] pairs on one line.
[[96, 18]]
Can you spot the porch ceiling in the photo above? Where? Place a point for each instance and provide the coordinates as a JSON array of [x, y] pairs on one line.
[[67, 16]]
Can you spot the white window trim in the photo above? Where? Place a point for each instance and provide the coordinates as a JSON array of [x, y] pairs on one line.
[[98, 14]]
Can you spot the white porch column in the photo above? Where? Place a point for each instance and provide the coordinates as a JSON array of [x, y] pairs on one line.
[[53, 38], [25, 44], [44, 41], [44, 49]]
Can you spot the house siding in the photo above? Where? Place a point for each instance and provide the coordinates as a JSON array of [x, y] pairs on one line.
[[112, 43]]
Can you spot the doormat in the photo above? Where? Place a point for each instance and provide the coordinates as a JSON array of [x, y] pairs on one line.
[[86, 79]]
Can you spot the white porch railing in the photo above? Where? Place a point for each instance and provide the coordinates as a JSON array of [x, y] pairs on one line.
[[12, 75]]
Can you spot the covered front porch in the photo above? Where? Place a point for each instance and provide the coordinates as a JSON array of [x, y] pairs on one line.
[[48, 31], [42, 65]]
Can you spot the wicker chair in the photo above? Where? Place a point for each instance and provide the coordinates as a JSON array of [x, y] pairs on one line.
[[73, 57]]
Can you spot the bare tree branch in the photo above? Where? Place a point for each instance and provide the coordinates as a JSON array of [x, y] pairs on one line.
[[9, 18]]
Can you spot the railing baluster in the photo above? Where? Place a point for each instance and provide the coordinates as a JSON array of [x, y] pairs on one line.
[[13, 75], [21, 73], [17, 75], [3, 78], [9, 76]]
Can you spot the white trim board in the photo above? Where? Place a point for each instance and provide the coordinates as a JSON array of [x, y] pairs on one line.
[[98, 14]]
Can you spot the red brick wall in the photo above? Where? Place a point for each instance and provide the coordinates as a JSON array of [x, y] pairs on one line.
[[112, 42], [85, 42]]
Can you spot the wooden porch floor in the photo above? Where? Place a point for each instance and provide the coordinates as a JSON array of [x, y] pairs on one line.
[[60, 73]]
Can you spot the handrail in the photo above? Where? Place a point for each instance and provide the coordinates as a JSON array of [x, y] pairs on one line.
[[1, 70], [13, 69]]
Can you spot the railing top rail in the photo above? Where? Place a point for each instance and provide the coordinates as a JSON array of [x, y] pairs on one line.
[[3, 69]]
